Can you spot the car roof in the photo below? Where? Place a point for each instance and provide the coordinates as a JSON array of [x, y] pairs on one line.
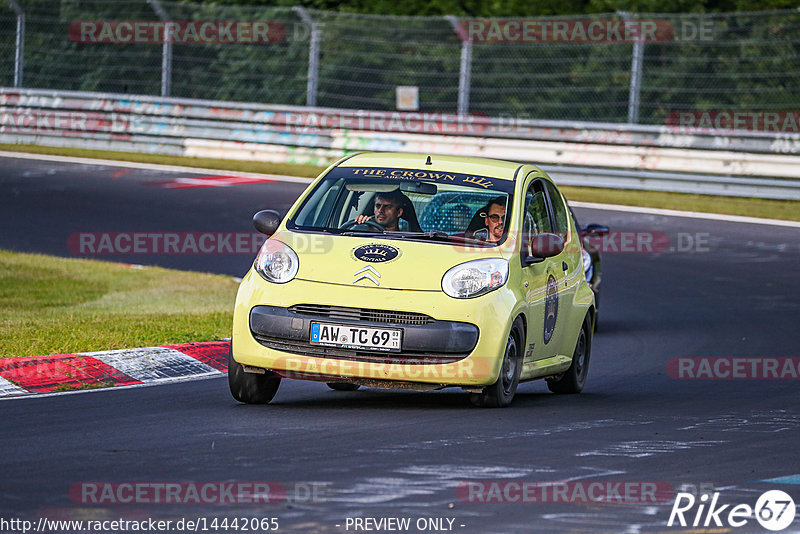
[[494, 168]]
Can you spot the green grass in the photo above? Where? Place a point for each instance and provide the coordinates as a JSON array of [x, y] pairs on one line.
[[752, 207], [52, 305]]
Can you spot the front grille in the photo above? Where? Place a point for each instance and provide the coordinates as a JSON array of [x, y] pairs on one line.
[[305, 348], [362, 314]]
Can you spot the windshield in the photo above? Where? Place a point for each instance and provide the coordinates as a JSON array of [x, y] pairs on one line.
[[408, 203]]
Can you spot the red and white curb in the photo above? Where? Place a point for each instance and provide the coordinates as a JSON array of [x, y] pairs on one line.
[[66, 372]]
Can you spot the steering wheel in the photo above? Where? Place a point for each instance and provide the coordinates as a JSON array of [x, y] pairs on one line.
[[372, 223]]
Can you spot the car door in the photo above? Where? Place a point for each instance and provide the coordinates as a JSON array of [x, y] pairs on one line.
[[567, 269], [540, 280]]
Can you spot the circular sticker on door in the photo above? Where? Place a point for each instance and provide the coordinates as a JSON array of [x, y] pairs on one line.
[[550, 309]]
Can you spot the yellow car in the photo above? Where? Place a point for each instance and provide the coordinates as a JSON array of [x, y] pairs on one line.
[[418, 272]]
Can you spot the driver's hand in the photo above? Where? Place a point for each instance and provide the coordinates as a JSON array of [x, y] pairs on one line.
[[361, 219]]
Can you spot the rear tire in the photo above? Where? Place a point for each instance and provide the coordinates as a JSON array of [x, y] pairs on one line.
[[501, 393], [251, 388], [342, 386], [574, 378]]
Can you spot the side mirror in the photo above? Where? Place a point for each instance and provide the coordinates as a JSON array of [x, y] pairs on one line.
[[544, 245], [267, 221], [596, 229]]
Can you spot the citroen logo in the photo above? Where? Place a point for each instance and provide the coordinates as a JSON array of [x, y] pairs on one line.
[[367, 273]]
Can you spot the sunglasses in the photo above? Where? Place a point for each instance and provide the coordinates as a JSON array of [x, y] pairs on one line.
[[494, 217]]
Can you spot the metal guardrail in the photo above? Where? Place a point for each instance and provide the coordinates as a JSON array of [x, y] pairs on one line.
[[589, 154]]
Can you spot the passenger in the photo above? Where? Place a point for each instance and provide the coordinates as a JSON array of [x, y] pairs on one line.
[[494, 214]]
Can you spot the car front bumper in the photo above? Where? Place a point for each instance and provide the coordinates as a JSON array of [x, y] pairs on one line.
[[460, 345]]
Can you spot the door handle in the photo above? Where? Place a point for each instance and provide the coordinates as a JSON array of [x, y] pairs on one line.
[[564, 266]]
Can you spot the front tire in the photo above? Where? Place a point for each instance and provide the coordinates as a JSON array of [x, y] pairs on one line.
[[501, 393], [251, 388], [574, 378]]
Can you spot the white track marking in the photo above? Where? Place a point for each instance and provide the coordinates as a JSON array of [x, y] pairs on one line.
[[153, 363], [153, 167], [164, 382], [687, 214], [9, 388]]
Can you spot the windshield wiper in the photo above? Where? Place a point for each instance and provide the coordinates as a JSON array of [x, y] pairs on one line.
[[434, 235], [363, 234], [322, 229], [438, 235]]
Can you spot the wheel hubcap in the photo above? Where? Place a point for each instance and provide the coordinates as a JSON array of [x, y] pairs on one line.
[[580, 357]]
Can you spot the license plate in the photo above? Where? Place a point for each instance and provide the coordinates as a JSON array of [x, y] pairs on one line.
[[356, 337]]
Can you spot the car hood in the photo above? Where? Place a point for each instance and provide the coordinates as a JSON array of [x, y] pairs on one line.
[[378, 262]]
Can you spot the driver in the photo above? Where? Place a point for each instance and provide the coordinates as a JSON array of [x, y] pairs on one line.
[[388, 210]]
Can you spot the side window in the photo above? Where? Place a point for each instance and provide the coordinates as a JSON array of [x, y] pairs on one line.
[[317, 209], [351, 204], [559, 211], [536, 218]]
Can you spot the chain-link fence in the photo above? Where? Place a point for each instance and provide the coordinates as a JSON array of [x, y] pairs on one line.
[[612, 67]]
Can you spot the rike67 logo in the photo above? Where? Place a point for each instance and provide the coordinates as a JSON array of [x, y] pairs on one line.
[[774, 510]]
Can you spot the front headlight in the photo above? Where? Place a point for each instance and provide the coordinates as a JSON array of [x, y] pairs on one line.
[[475, 278], [588, 268], [276, 262]]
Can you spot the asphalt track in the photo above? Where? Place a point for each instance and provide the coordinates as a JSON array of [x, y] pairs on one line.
[[378, 454]]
